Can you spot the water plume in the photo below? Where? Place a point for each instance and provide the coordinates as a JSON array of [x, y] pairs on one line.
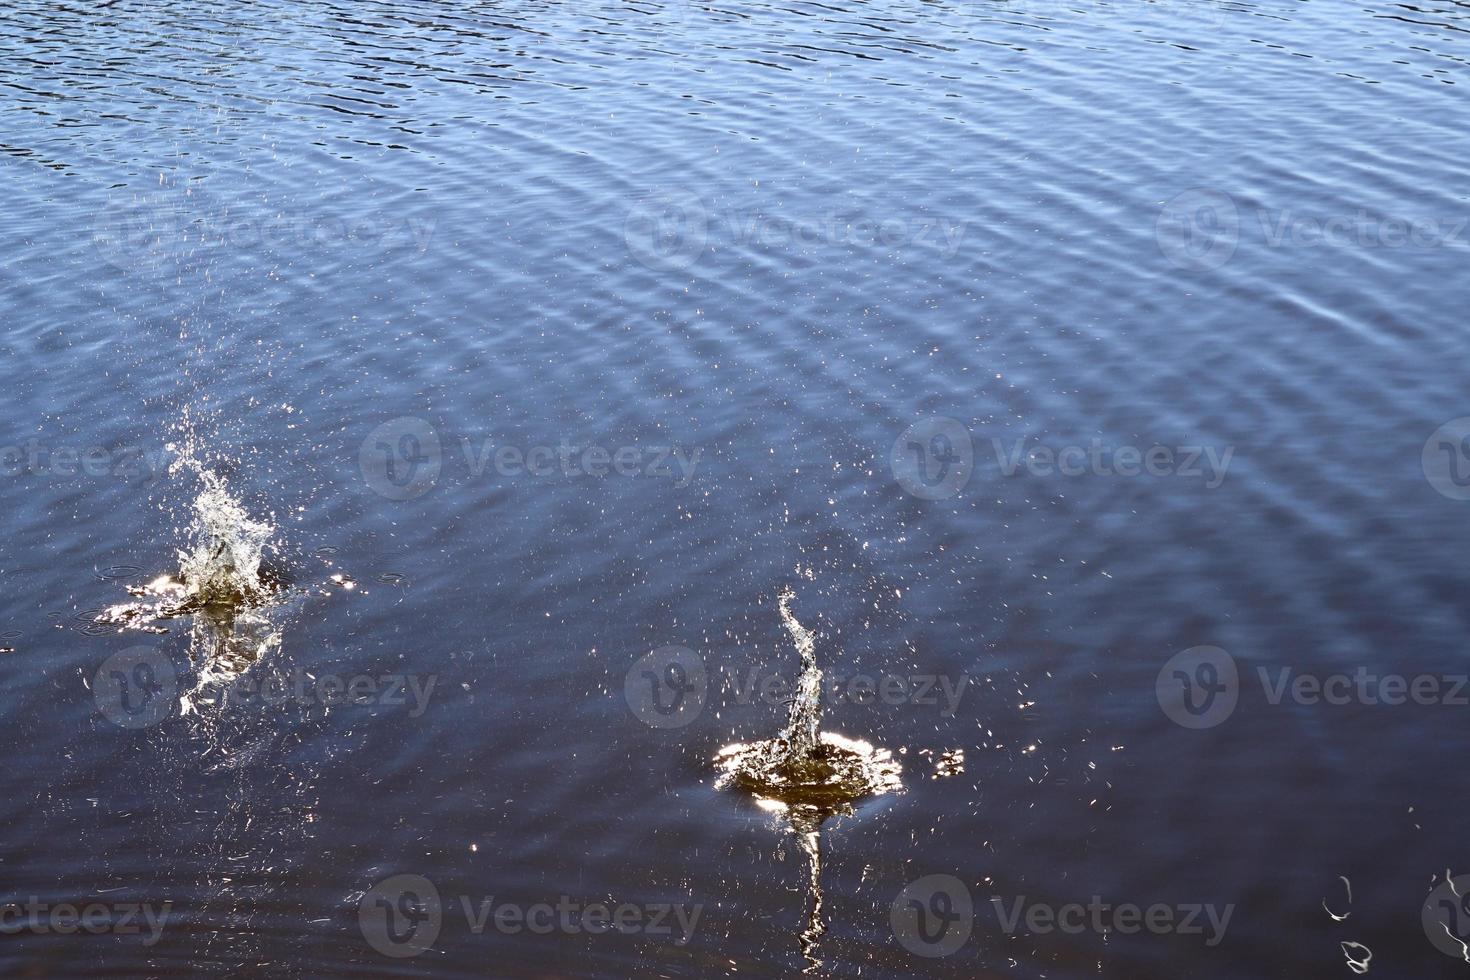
[[805, 765], [807, 775]]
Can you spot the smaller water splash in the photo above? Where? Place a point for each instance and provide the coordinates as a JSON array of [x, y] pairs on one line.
[[1449, 878], [1358, 956], [948, 762], [1348, 886]]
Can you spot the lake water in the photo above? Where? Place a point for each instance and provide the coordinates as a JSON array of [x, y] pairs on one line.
[[1091, 373]]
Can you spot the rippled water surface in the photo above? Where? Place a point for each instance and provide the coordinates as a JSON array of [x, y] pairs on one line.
[[518, 355]]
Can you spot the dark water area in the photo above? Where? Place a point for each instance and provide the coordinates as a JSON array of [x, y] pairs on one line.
[[1090, 372]]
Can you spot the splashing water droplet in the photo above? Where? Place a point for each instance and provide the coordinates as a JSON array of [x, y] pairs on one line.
[[223, 582], [804, 765], [225, 565], [1358, 956], [808, 775], [1348, 886]]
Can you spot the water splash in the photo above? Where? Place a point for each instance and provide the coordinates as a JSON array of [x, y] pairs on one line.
[[804, 765], [1359, 957], [224, 566], [228, 761], [808, 775], [1449, 878], [1348, 891], [225, 581], [947, 763], [800, 735]]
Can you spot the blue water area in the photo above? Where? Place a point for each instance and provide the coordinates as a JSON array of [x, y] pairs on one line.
[[1098, 362]]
